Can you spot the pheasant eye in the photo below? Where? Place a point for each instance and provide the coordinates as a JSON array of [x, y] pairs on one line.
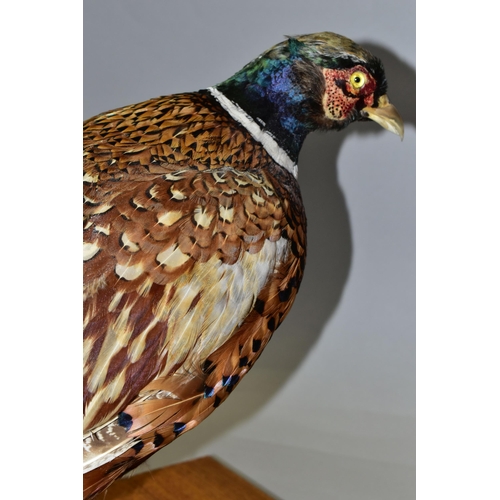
[[358, 79]]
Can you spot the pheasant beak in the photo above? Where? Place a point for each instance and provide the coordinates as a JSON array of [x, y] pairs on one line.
[[386, 115]]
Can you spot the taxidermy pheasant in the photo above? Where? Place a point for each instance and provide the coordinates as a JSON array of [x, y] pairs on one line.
[[195, 238]]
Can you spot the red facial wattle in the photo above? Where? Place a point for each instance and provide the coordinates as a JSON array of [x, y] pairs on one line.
[[342, 96]]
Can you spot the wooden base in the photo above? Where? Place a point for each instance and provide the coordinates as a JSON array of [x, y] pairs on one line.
[[200, 479]]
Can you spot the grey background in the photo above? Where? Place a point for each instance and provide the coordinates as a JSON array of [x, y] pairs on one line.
[[328, 412]]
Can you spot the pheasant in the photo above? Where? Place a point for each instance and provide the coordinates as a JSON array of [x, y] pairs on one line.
[[195, 238]]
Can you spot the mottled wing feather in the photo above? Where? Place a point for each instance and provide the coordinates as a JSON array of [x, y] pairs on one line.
[[164, 260], [194, 248], [156, 422], [168, 133]]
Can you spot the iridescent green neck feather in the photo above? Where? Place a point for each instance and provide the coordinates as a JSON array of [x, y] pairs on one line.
[[282, 90]]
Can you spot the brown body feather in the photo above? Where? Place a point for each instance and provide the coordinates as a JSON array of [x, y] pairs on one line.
[[194, 251]]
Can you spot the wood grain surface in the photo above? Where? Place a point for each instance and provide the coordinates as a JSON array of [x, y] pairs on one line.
[[200, 479]]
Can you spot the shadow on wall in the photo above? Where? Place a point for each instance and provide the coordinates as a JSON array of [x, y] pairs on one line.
[[402, 82], [328, 265]]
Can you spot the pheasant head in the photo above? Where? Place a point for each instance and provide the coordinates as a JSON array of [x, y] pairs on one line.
[[322, 81]]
